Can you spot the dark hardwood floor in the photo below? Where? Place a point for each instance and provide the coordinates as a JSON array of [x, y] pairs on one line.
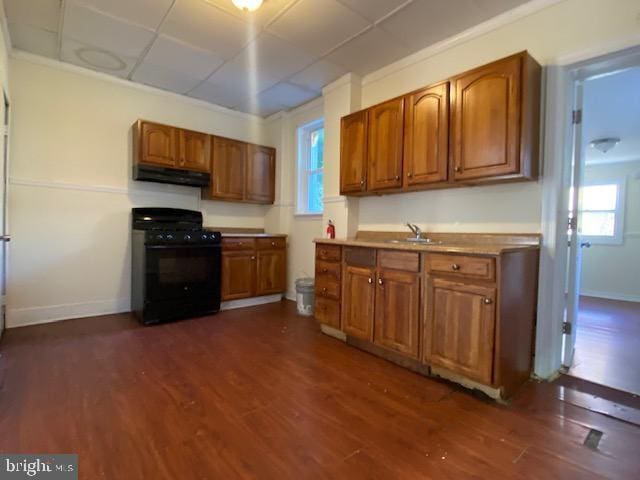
[[608, 343], [261, 393]]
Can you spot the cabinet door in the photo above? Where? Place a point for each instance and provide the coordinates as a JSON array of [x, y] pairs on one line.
[[228, 162], [426, 136], [195, 151], [460, 334], [353, 153], [358, 296], [157, 144], [486, 120], [261, 174], [238, 275], [384, 150], [271, 272], [397, 315]]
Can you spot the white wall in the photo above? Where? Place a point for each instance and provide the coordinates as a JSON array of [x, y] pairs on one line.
[[71, 191], [611, 271]]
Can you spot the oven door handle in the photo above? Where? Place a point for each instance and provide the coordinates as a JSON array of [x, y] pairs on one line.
[[166, 247]]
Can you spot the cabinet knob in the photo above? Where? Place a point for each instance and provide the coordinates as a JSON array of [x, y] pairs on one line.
[[409, 175], [455, 267], [370, 280], [397, 177], [324, 270], [458, 169], [380, 282], [273, 244], [362, 182], [487, 301], [253, 258], [324, 290]]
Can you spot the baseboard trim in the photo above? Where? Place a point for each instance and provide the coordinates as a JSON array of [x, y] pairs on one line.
[[250, 302], [610, 295], [21, 317]]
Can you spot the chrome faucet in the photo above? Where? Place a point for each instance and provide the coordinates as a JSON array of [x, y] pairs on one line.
[[416, 230]]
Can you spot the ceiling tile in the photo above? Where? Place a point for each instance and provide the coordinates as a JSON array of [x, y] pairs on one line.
[[282, 96], [316, 76], [34, 40], [201, 24], [147, 13], [373, 9], [43, 14], [74, 52], [90, 27], [225, 94], [267, 12], [369, 51], [165, 78], [175, 55], [425, 22], [318, 27], [273, 57]]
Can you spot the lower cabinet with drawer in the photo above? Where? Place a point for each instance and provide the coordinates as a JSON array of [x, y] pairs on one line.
[[469, 318], [253, 267]]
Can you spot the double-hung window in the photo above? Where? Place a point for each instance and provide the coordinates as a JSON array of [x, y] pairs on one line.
[[602, 211], [310, 168]]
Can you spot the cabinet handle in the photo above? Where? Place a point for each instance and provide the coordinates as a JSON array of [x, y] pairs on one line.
[[253, 258], [324, 290], [455, 267], [409, 175], [458, 169], [397, 177], [370, 280], [362, 182], [380, 282], [273, 244], [324, 270], [487, 301]]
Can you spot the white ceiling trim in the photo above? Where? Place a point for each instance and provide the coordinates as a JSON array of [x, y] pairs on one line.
[[5, 28], [343, 80], [494, 23], [68, 67]]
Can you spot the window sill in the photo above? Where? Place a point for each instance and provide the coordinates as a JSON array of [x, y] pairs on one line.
[[310, 216]]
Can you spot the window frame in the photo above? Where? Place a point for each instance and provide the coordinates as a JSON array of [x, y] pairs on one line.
[[303, 173], [619, 212]]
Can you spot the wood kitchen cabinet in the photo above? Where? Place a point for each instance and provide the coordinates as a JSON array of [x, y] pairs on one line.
[[157, 144], [260, 174], [353, 153], [228, 166], [359, 301], [384, 145], [426, 136], [462, 327], [194, 151], [481, 126], [328, 285], [253, 267], [493, 108]]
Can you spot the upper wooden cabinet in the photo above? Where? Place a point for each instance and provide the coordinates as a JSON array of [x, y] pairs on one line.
[[426, 136], [384, 145], [194, 151], [260, 177], [493, 108], [353, 153], [156, 144], [482, 126], [228, 165]]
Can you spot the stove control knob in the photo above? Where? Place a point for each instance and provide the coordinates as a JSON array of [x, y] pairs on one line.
[[159, 237], [213, 236], [169, 237], [187, 237], [204, 237]]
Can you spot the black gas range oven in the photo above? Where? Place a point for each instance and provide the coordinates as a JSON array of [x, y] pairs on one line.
[[175, 265]]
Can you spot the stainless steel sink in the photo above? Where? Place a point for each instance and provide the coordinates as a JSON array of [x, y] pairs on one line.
[[416, 241]]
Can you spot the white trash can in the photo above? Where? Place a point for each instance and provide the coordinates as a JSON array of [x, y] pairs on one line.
[[305, 295]]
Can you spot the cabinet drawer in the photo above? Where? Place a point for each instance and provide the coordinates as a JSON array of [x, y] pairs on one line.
[[327, 288], [271, 243], [329, 253], [328, 312], [476, 267], [238, 243], [395, 260], [361, 256], [329, 270]]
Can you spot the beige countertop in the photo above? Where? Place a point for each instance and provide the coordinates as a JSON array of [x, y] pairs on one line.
[[441, 246]]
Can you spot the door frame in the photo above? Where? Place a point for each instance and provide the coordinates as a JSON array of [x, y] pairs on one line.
[[560, 77]]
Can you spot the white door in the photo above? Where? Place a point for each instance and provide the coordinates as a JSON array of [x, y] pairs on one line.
[[575, 243], [4, 236]]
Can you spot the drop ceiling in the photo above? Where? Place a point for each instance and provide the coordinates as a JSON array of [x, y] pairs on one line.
[[274, 59]]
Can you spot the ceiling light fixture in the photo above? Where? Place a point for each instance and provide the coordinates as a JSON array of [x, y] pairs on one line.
[[247, 5], [604, 144]]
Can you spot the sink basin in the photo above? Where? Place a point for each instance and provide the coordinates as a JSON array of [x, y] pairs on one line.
[[416, 241]]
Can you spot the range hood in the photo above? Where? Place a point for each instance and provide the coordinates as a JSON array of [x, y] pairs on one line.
[[149, 173]]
